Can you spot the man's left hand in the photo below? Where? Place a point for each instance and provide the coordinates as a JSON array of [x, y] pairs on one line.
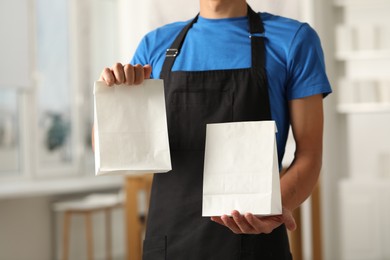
[[250, 224]]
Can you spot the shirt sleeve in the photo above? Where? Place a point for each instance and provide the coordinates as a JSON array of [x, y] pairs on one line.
[[306, 66], [140, 55]]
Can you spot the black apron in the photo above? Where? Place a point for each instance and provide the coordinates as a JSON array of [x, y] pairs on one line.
[[176, 229]]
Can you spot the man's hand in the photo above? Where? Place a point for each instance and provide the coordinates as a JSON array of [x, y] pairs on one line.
[[125, 74], [250, 224]]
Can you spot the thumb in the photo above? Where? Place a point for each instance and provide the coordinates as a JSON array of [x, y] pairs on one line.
[[147, 71], [289, 220]]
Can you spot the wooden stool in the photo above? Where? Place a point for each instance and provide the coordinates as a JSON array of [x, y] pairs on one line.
[[86, 207], [135, 223]]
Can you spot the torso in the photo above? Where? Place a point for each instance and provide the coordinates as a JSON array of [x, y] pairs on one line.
[[176, 228], [225, 44]]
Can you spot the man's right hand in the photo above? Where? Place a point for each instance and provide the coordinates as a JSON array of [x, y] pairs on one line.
[[125, 74]]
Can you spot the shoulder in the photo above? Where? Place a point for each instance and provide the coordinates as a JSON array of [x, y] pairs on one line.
[[154, 43], [290, 38], [168, 31], [288, 32]]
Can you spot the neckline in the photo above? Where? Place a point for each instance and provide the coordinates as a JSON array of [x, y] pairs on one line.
[[202, 19]]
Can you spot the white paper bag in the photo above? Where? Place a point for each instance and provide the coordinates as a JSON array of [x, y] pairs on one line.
[[241, 169], [131, 135]]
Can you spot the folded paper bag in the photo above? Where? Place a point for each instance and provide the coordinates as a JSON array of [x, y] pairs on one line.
[[131, 135], [241, 169]]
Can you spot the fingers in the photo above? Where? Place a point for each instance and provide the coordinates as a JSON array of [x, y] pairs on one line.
[[129, 74], [231, 224], [138, 74], [125, 74], [218, 220], [290, 224], [119, 74], [289, 220], [250, 224], [107, 76], [147, 71], [258, 224], [238, 224], [243, 223], [227, 222]]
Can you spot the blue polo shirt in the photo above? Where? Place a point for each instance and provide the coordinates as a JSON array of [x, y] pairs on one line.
[[294, 58]]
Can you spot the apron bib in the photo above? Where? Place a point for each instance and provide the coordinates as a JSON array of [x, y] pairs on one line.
[[176, 229]]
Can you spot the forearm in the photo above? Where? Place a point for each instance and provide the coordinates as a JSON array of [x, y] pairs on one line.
[[299, 180], [307, 126]]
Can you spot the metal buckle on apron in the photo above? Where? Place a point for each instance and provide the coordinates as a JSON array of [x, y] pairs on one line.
[[256, 35], [171, 52]]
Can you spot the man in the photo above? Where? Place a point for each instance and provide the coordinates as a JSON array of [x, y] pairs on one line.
[[229, 64]]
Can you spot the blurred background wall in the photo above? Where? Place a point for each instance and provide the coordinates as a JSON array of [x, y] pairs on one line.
[[52, 51]]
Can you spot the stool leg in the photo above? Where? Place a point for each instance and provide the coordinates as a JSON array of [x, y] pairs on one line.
[[108, 234], [88, 230], [66, 233], [133, 225]]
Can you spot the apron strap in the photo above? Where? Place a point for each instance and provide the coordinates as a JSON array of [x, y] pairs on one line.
[[258, 61], [256, 30], [257, 42], [174, 50]]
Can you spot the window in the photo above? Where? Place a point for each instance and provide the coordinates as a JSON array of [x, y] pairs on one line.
[[10, 156], [54, 136], [46, 118]]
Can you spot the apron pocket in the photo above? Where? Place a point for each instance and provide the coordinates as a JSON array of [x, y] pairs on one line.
[[155, 248]]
